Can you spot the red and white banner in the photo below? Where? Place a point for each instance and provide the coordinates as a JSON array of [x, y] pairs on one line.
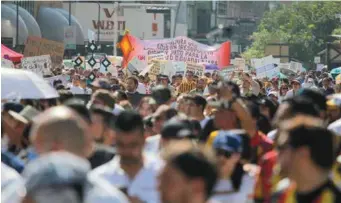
[[176, 49]]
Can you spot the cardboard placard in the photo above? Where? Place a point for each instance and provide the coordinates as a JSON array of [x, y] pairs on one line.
[[40, 65], [197, 69], [36, 46], [155, 70]]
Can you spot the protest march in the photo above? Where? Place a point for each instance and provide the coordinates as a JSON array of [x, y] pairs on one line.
[[169, 120]]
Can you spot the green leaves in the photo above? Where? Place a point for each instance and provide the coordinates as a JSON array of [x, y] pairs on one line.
[[306, 26]]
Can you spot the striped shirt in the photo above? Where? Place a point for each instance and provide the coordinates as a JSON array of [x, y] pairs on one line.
[[186, 86], [327, 193]]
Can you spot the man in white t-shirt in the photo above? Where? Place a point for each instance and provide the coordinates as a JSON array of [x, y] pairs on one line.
[[133, 172]]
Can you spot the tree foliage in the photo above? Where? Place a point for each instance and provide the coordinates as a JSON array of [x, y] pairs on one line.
[[305, 26]]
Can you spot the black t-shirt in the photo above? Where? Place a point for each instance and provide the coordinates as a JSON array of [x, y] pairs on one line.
[[327, 193], [102, 155]]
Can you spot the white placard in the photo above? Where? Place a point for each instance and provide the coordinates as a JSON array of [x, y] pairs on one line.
[[5, 63], [136, 65], [159, 56], [317, 59], [57, 77], [319, 67], [40, 65], [270, 71]]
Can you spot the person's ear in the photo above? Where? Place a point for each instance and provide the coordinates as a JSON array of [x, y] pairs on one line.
[[197, 186], [303, 152]]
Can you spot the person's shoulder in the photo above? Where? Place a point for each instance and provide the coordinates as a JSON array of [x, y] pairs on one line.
[[153, 162], [107, 169], [282, 188], [99, 190], [8, 175]]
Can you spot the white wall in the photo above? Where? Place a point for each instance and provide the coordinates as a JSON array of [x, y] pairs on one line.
[[136, 20]]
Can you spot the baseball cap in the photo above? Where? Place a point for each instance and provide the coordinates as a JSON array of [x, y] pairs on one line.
[[176, 129], [228, 141], [102, 83]]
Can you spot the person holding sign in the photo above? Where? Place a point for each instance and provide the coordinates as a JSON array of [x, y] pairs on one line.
[[188, 84]]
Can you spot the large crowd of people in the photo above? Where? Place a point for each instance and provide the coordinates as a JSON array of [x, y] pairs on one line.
[[179, 139]]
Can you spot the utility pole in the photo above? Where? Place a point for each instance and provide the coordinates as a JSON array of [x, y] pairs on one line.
[[98, 21], [69, 13], [17, 26], [116, 31]]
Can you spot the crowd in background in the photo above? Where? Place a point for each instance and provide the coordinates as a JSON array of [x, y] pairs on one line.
[[183, 139]]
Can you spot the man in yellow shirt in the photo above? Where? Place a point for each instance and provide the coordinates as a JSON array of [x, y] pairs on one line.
[[188, 84]]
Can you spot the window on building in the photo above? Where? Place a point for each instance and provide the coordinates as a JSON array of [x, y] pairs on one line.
[[222, 7]]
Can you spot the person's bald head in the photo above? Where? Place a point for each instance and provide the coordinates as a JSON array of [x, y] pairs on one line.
[[61, 128]]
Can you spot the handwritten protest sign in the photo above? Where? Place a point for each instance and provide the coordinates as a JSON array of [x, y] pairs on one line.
[[6, 63], [180, 49], [155, 69], [36, 46], [268, 71], [41, 65], [197, 69]]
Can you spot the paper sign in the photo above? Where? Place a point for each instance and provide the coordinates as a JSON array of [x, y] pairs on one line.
[[36, 46], [155, 70], [179, 66], [197, 69], [295, 66], [5, 63], [239, 64], [168, 69], [146, 70], [319, 67], [40, 65], [227, 71], [57, 77], [268, 71], [135, 65], [160, 56]]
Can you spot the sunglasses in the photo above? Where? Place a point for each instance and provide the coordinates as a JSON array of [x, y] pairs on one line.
[[224, 153]]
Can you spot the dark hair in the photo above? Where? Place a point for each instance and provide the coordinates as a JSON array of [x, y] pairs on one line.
[[316, 97], [55, 82], [204, 168], [64, 95], [129, 121], [120, 95], [161, 94], [136, 81], [79, 106], [320, 142], [104, 112], [199, 101], [236, 176], [106, 97]]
